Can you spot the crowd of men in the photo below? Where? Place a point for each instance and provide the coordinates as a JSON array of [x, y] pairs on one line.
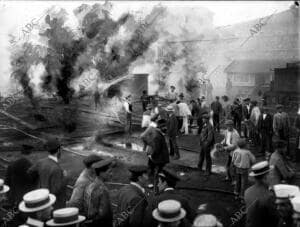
[[38, 190]]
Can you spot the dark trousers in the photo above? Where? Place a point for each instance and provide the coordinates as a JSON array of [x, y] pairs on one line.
[[200, 124], [180, 122], [237, 124], [205, 154], [216, 120], [128, 124], [153, 171], [266, 142], [173, 146], [228, 167], [285, 136], [241, 181]]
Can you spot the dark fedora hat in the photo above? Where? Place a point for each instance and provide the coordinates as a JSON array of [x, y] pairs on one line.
[[168, 175], [102, 164], [91, 159], [52, 144], [138, 169]]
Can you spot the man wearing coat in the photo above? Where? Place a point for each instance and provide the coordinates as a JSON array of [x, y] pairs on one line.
[[157, 149], [247, 109], [172, 132], [17, 178], [206, 144], [265, 129], [281, 126], [49, 173], [132, 201], [217, 110]]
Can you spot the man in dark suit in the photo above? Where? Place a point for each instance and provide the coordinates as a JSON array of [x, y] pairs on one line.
[[206, 144], [49, 173], [246, 115], [166, 183], [132, 200], [172, 132], [217, 110], [17, 178], [265, 129]]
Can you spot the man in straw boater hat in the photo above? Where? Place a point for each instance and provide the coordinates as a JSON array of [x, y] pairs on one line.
[[96, 199], [169, 213], [206, 144], [49, 173], [260, 201], [86, 177], [167, 181], [206, 220], [284, 193], [66, 217], [172, 132], [296, 208], [38, 205], [131, 198]]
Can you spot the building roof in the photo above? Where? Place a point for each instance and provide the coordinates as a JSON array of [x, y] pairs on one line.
[[255, 66]]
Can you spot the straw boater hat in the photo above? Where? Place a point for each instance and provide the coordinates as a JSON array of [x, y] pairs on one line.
[[170, 108], [296, 206], [285, 191], [3, 188], [65, 216], [37, 200], [259, 169], [169, 211], [206, 220]]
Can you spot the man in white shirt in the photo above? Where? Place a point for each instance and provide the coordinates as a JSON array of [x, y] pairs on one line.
[[172, 94], [128, 110], [184, 112]]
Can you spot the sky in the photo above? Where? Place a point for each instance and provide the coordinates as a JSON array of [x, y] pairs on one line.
[[14, 15]]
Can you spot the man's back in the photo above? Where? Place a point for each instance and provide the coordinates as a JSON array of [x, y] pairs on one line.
[[260, 206], [216, 107]]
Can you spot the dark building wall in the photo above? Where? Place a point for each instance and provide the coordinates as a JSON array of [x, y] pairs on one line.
[[287, 80]]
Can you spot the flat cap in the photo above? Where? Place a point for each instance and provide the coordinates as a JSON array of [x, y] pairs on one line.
[[91, 159], [241, 143], [138, 169], [167, 174], [229, 122], [52, 144], [103, 163]]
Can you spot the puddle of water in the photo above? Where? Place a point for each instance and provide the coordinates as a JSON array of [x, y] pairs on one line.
[[132, 146]]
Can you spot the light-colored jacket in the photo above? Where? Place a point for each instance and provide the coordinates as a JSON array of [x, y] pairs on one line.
[[243, 158], [233, 140], [255, 113]]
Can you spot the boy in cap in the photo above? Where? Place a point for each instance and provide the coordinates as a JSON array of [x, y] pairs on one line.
[[96, 199], [38, 205], [242, 160], [86, 177], [49, 173], [132, 199], [281, 172], [170, 214], [260, 202], [284, 193]]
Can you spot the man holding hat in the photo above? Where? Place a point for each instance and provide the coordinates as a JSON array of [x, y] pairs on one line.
[[281, 171], [260, 202], [132, 199], [230, 144], [17, 178], [284, 193], [170, 214], [172, 132], [49, 173], [86, 177], [206, 143], [96, 199], [281, 126], [38, 205]]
